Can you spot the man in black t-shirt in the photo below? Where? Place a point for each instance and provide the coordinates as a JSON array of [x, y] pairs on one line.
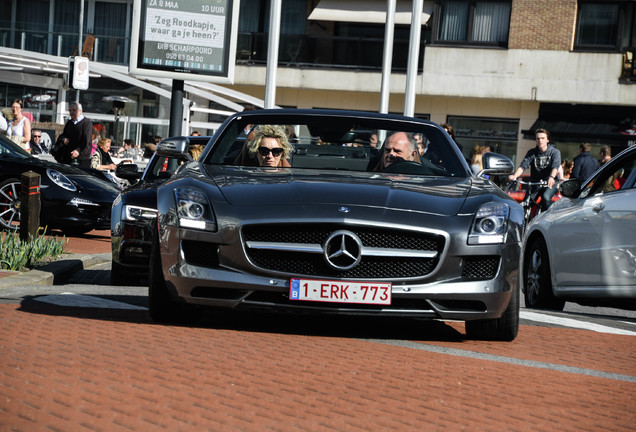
[[544, 161]]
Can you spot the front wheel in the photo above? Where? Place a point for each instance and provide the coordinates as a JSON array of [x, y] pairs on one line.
[[10, 204], [537, 283], [504, 328], [162, 308]]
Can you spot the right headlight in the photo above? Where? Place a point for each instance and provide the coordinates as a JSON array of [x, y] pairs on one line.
[[60, 179], [489, 225], [194, 209]]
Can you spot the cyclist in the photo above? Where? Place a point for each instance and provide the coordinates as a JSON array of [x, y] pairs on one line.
[[544, 161]]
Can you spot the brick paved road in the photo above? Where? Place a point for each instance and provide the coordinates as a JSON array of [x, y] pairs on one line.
[[71, 368]]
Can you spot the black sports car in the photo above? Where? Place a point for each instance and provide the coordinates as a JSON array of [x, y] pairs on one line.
[[72, 200], [134, 212], [307, 215]]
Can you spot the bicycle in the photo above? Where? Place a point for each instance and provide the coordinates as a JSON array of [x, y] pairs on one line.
[[529, 199]]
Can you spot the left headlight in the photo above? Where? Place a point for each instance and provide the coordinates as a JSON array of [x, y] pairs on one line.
[[194, 209], [136, 213], [60, 179], [489, 225]]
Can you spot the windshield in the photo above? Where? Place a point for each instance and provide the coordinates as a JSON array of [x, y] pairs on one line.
[[337, 143], [9, 149]]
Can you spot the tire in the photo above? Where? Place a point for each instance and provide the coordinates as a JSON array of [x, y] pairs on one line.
[[10, 204], [504, 328], [537, 282], [161, 307]]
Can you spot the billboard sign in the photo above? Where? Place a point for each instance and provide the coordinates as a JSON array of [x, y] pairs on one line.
[[185, 39]]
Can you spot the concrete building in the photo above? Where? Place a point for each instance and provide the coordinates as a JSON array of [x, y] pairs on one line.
[[495, 70]]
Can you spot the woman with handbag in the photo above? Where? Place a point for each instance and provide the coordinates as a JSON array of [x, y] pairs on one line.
[[19, 130]]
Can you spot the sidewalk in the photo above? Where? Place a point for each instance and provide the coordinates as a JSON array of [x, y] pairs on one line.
[[54, 273], [81, 252]]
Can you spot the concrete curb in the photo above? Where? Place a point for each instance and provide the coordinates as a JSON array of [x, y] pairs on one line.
[[56, 272]]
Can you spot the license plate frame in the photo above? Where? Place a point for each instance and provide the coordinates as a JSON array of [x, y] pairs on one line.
[[331, 291]]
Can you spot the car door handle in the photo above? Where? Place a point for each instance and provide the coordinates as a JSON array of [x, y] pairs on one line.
[[598, 207]]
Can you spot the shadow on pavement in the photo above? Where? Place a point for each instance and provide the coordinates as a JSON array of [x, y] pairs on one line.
[[282, 323]]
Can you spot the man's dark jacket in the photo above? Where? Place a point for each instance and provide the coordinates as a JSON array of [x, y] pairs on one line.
[[79, 136], [584, 166]]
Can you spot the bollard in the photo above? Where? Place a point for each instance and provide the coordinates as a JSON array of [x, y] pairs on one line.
[[29, 206]]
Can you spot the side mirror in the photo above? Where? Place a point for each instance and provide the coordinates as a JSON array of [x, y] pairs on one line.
[[570, 188], [128, 172], [496, 164], [175, 147]]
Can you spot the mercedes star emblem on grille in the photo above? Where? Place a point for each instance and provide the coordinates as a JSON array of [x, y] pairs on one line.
[[343, 250]]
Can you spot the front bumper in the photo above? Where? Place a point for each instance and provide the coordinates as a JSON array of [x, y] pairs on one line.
[[444, 295]]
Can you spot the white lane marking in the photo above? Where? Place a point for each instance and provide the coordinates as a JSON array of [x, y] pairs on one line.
[[569, 322], [78, 300], [502, 359]]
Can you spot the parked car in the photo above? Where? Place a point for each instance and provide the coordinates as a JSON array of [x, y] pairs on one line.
[[347, 229], [72, 200], [583, 248], [134, 212]]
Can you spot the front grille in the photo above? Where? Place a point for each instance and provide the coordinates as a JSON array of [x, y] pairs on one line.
[[370, 267], [480, 267]]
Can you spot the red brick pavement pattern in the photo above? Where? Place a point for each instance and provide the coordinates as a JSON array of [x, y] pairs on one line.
[[94, 242], [109, 370]]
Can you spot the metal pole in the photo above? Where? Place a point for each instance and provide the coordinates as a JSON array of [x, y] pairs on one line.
[[414, 52], [79, 40], [176, 109], [272, 53], [387, 57]]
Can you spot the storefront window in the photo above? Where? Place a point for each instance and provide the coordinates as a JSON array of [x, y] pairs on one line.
[[474, 133], [39, 104]]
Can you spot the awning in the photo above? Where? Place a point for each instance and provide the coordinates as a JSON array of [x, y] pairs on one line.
[[367, 11], [586, 123]]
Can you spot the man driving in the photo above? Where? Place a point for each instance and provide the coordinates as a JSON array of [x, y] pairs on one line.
[[399, 146]]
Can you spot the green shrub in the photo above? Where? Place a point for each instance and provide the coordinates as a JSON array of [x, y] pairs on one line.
[[17, 255]]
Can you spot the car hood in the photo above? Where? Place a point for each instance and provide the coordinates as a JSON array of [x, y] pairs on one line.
[[254, 187], [84, 179]]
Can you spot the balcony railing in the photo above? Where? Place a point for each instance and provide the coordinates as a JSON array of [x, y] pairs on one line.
[[295, 50], [108, 49], [323, 51]]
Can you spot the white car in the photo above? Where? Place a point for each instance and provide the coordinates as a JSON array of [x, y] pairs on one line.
[[583, 248]]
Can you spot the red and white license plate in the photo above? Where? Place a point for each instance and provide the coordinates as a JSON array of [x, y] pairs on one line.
[[340, 292]]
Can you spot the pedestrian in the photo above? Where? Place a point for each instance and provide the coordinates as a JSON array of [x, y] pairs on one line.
[[566, 169], [19, 129], [606, 155], [544, 161], [3, 124], [76, 139], [584, 164]]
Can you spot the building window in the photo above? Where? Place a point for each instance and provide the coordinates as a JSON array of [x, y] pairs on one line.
[[605, 26], [475, 133], [473, 22]]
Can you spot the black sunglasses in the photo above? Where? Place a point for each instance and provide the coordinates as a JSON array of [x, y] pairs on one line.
[[264, 151], [37, 136]]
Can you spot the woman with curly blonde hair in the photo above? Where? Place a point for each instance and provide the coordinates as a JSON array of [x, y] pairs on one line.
[[270, 146]]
